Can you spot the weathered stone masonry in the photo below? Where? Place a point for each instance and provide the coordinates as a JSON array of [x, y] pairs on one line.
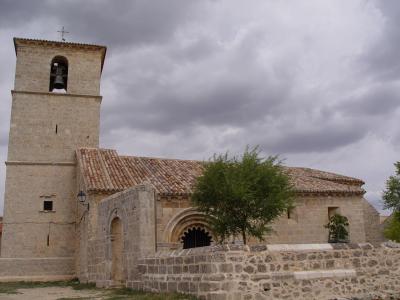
[[37, 269], [271, 272], [135, 209]]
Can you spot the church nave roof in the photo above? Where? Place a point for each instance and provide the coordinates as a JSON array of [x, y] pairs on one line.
[[103, 170]]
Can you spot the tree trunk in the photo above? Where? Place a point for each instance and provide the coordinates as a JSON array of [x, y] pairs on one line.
[[244, 236]]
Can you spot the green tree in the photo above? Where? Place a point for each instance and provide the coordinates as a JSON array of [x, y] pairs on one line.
[[391, 200], [391, 196], [241, 196], [392, 230], [337, 226]]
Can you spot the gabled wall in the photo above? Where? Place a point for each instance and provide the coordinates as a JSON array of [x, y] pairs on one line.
[[373, 229], [135, 208]]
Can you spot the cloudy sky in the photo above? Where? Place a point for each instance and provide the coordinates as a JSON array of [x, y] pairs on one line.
[[317, 82]]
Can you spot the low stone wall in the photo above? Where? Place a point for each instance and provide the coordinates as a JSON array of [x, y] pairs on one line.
[[37, 269], [319, 271]]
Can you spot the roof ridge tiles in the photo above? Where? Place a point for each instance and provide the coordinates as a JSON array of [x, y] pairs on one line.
[[58, 42], [160, 158]]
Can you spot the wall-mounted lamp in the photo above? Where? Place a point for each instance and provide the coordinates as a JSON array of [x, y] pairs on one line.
[[82, 199]]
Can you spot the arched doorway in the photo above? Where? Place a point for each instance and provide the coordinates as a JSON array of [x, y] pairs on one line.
[[196, 237], [117, 250]]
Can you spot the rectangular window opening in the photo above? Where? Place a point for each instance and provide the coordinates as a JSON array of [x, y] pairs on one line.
[[48, 205], [56, 128], [48, 240], [292, 214], [333, 210]]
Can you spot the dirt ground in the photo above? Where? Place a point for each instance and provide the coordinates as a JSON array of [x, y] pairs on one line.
[[54, 293]]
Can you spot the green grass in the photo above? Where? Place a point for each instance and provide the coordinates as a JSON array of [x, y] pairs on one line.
[[127, 294], [75, 298], [106, 294], [12, 287]]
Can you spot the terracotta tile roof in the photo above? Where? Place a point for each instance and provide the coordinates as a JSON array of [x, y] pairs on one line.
[[104, 170], [307, 180]]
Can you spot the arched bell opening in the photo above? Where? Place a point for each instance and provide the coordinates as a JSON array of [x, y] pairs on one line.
[[58, 75], [195, 237]]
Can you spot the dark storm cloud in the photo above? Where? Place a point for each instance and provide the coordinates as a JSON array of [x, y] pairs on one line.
[[383, 59], [229, 102], [125, 22], [17, 13], [173, 87], [196, 50], [319, 139], [378, 101], [189, 78], [121, 23], [243, 93]]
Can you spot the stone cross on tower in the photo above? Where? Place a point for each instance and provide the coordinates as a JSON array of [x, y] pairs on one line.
[[63, 32]]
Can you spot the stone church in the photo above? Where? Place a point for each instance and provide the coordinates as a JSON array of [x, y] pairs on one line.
[[73, 209]]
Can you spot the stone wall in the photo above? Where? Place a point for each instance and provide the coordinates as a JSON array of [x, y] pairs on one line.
[[36, 269], [373, 228], [34, 117], [307, 271], [305, 225], [30, 231], [1, 232], [311, 213]]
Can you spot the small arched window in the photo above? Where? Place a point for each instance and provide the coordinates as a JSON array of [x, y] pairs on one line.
[[59, 75], [196, 237]]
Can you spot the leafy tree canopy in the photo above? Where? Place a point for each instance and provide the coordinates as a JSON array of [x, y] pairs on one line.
[[391, 195], [337, 226], [392, 230], [242, 195]]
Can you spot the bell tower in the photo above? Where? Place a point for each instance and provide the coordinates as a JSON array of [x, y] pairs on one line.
[[55, 110]]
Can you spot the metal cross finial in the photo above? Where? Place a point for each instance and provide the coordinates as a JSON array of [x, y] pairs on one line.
[[62, 31]]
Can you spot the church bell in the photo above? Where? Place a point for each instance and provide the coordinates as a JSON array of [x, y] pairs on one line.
[[59, 78]]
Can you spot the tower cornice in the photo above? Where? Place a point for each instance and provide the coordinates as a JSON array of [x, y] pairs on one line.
[[99, 98], [18, 42], [40, 163]]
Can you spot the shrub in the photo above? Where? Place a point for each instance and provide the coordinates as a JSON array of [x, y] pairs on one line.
[[337, 226]]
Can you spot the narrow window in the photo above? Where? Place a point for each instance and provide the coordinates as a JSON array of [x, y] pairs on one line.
[[292, 214], [47, 205], [333, 210], [56, 128], [58, 75], [48, 240]]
